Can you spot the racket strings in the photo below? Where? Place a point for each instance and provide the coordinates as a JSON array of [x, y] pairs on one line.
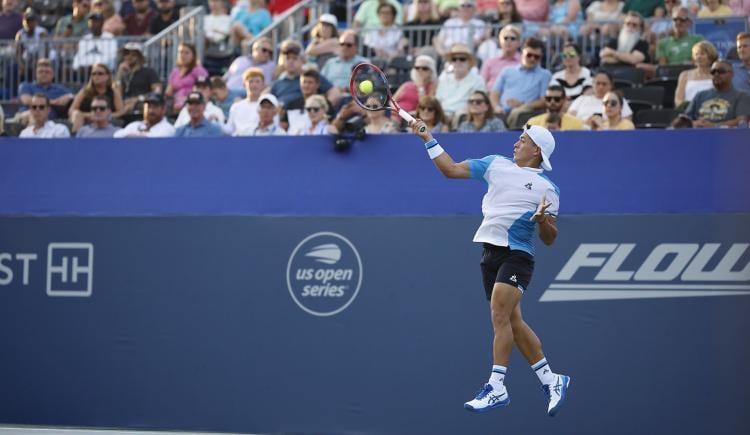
[[378, 98]]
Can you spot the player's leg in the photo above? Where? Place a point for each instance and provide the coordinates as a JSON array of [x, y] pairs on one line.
[[524, 337], [493, 394], [554, 385], [504, 300]]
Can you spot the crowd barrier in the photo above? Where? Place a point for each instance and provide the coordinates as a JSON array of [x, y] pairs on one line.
[[277, 286]]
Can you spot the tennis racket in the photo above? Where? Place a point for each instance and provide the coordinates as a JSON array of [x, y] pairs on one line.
[[375, 95]]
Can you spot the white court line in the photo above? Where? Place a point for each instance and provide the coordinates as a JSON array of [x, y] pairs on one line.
[[28, 430]]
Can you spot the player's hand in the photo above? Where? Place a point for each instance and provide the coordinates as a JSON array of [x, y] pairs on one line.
[[540, 215], [420, 129]]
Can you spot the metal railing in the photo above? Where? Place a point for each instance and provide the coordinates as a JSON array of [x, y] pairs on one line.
[[71, 59], [161, 49], [294, 23]]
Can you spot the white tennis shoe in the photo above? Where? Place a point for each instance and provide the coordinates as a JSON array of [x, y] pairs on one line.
[[555, 393], [488, 398]]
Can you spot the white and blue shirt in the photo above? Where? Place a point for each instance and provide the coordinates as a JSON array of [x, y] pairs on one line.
[[512, 197]]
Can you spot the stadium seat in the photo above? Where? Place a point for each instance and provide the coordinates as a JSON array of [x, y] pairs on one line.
[[654, 95], [640, 105], [669, 86], [654, 118], [399, 70], [671, 71], [626, 73]]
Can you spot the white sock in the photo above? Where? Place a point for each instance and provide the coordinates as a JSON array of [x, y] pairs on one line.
[[544, 371], [497, 377]]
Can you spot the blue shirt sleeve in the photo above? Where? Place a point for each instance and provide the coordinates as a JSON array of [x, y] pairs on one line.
[[478, 167]]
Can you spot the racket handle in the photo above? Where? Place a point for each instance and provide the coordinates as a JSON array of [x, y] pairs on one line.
[[408, 118]]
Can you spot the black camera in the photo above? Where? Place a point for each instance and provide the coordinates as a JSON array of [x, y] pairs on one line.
[[353, 130]]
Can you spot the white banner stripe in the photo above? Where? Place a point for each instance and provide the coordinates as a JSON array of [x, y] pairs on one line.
[[552, 295], [651, 286]]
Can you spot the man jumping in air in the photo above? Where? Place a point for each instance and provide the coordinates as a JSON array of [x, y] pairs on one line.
[[512, 210]]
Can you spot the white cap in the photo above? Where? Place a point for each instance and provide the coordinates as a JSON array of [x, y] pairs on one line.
[[271, 98], [544, 140], [329, 19]]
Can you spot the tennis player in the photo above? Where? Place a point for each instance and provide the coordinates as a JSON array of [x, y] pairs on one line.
[[519, 199]]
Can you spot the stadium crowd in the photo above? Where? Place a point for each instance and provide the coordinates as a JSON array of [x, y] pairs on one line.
[[460, 65]]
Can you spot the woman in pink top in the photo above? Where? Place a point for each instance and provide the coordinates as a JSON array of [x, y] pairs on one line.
[[423, 82], [183, 76]]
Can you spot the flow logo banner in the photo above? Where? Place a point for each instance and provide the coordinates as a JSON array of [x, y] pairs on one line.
[[670, 270], [324, 274]]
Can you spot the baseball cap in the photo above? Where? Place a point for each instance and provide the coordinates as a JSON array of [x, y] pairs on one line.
[[544, 140], [202, 81], [329, 19], [270, 98], [155, 98], [195, 97]]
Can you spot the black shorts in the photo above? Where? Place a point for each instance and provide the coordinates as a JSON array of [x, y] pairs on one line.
[[501, 264]]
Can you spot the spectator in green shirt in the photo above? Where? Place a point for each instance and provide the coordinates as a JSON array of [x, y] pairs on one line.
[[74, 25], [367, 14], [644, 7], [677, 48]]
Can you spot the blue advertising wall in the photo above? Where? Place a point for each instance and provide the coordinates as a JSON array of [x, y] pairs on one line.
[[279, 287]]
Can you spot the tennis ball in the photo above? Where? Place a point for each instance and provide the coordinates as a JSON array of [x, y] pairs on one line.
[[365, 87]]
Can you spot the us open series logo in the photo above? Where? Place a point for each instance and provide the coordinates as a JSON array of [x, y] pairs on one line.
[[324, 274]]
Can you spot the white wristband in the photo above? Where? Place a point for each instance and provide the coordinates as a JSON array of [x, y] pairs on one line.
[[435, 151]]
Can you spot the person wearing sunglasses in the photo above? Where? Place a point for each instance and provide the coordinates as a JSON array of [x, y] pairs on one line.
[[611, 116], [100, 125], [316, 108], [293, 116], [455, 87], [100, 83], [721, 106], [520, 89], [40, 127], [555, 100], [261, 56], [574, 77], [676, 49], [423, 82], [519, 201], [376, 121], [510, 55], [480, 118], [338, 69], [431, 113], [629, 48]]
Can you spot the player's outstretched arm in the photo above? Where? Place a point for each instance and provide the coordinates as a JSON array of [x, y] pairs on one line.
[[442, 159]]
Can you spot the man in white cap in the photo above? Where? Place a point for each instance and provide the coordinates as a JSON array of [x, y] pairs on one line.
[[519, 199], [268, 110]]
